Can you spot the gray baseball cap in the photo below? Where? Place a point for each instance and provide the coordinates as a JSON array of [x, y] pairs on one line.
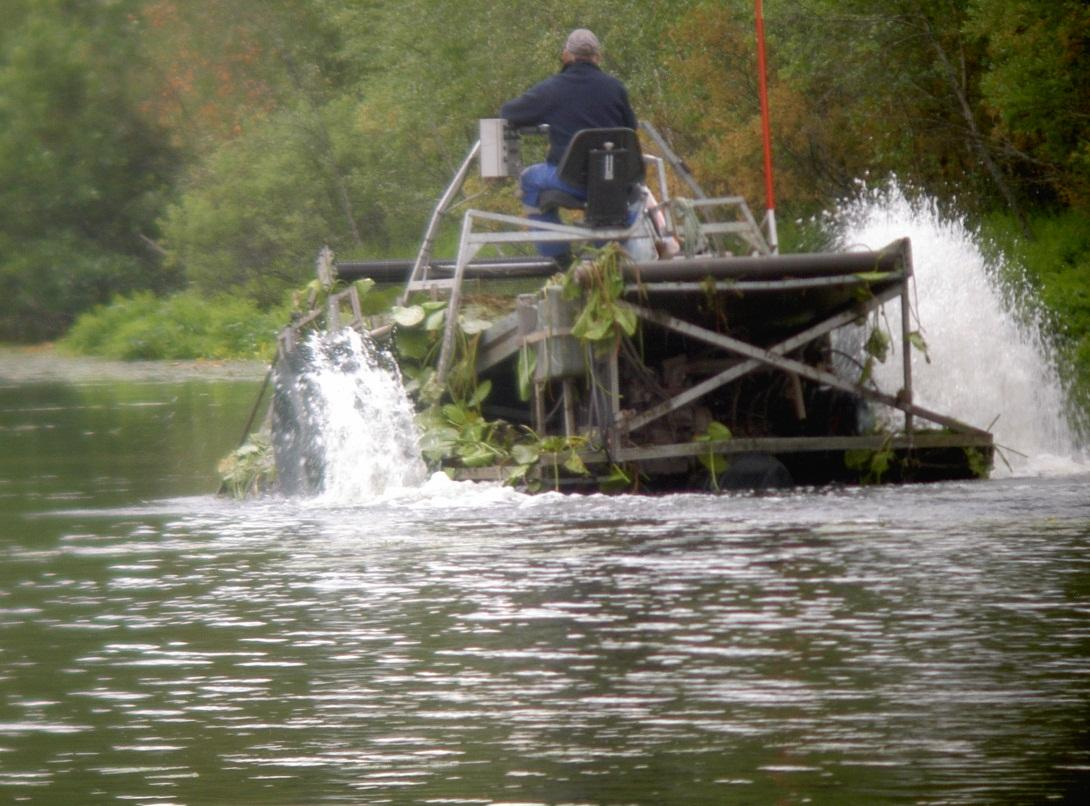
[[583, 43]]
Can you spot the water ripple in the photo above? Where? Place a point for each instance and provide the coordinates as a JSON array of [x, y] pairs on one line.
[[882, 645]]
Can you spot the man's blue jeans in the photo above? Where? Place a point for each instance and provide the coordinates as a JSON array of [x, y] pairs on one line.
[[534, 179], [543, 176]]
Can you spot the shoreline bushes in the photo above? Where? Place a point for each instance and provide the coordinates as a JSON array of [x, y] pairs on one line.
[[182, 326]]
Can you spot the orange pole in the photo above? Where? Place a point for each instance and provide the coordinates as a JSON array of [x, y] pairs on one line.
[[766, 129]]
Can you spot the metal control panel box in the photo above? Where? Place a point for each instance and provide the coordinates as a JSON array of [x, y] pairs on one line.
[[500, 152]]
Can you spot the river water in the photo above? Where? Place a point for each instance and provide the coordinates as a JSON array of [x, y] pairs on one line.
[[467, 644]]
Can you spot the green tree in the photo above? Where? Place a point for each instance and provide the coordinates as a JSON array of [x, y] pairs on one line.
[[281, 175], [711, 109], [259, 208], [1036, 87], [362, 120], [82, 176], [889, 87]]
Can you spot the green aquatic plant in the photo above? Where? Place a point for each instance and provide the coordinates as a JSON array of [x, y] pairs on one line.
[[418, 335], [250, 469], [457, 432], [693, 239], [599, 283], [524, 370], [617, 480], [715, 462], [876, 346], [872, 465], [713, 300], [416, 341], [916, 339], [979, 462], [534, 456]]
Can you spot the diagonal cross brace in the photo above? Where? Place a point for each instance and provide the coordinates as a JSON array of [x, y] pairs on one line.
[[775, 359], [747, 366]]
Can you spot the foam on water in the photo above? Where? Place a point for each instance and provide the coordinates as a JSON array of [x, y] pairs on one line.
[[990, 366], [441, 493], [362, 419]]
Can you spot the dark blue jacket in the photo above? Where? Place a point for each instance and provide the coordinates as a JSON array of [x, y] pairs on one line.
[[580, 96]]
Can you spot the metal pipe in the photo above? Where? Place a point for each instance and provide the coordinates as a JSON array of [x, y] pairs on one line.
[[906, 338], [397, 269], [821, 264], [467, 249], [424, 256], [697, 269]]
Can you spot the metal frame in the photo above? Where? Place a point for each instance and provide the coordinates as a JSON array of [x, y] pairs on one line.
[[884, 274], [522, 230], [481, 228], [893, 284]]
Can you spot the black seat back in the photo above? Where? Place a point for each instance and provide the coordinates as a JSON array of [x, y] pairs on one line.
[[608, 163]]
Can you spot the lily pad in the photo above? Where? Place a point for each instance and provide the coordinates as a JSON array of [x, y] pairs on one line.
[[472, 325], [408, 317]]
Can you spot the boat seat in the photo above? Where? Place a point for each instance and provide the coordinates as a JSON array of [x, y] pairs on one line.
[[549, 200], [608, 165]]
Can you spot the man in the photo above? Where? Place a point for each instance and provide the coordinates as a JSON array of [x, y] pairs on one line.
[[580, 96]]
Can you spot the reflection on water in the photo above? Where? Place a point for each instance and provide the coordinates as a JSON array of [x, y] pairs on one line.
[[464, 644]]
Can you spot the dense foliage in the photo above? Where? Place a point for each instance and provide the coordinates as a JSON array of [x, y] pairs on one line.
[[1055, 265], [183, 325], [158, 144], [83, 174]]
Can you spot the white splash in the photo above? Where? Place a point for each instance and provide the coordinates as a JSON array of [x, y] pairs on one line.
[[990, 366], [362, 419]]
